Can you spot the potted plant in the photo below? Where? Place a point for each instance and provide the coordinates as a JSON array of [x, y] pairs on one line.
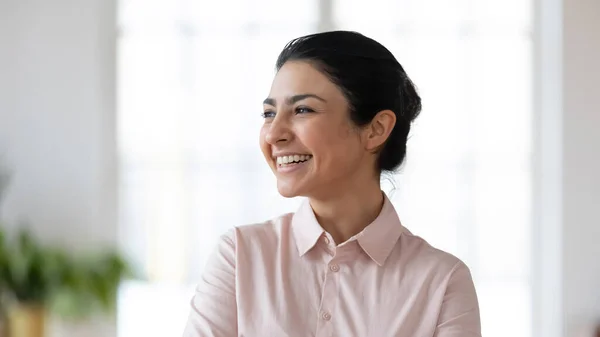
[[38, 280], [27, 283]]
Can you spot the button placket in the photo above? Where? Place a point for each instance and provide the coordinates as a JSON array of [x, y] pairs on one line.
[[329, 299]]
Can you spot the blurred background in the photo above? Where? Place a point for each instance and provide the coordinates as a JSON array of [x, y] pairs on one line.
[[134, 124]]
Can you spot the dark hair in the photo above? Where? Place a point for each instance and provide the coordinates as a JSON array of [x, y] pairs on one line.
[[371, 79]]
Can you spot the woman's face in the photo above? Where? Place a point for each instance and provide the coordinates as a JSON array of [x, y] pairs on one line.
[[307, 137]]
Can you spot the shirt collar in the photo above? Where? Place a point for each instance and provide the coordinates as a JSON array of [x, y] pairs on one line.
[[306, 228], [377, 239]]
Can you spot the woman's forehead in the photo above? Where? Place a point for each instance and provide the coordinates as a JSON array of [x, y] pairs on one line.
[[301, 78]]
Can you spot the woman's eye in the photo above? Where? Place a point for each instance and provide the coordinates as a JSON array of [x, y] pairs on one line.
[[303, 110], [268, 114]]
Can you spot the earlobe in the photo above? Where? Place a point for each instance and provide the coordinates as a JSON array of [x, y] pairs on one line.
[[380, 129]]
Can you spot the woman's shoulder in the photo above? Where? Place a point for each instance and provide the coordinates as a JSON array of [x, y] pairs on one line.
[[422, 253], [271, 230], [270, 226]]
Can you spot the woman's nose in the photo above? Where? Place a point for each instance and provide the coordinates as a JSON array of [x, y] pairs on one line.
[[278, 131]]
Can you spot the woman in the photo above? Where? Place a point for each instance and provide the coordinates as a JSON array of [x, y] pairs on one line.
[[337, 117]]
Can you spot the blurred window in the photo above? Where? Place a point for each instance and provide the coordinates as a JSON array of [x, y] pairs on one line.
[[191, 78]]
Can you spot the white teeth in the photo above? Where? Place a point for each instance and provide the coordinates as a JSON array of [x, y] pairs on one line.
[[292, 158]]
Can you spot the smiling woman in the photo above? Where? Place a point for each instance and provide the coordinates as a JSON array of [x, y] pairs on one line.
[[338, 114], [192, 76]]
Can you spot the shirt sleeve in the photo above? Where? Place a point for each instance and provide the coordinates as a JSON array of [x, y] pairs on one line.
[[213, 308], [459, 316]]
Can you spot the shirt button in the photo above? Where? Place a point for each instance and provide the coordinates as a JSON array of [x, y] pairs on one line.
[[326, 316], [326, 240], [334, 268]]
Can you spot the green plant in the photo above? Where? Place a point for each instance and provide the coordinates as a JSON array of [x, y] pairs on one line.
[[90, 285], [28, 273], [70, 286]]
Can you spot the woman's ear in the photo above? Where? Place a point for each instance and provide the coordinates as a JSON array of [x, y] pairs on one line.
[[378, 131]]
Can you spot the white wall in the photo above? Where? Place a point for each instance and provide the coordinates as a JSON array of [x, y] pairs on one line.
[[567, 287], [581, 162], [57, 116]]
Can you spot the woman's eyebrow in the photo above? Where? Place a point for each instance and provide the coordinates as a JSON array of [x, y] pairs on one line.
[[293, 99]]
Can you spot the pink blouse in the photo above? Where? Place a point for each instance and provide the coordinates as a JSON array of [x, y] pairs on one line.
[[286, 278]]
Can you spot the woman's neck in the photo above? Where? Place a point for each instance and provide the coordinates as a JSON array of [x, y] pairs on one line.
[[349, 212]]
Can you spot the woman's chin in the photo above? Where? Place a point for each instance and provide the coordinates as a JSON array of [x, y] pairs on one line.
[[288, 190]]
